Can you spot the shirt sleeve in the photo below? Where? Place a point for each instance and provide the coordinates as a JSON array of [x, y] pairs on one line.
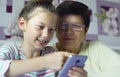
[[4, 65], [4, 61], [107, 61]]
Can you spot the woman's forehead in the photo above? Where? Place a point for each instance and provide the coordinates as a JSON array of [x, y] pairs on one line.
[[71, 18]]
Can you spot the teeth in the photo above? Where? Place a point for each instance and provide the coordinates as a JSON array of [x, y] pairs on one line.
[[42, 41]]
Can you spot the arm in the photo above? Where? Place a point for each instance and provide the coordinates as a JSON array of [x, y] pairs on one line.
[[109, 62], [51, 61], [110, 68], [25, 66], [10, 62], [104, 61]]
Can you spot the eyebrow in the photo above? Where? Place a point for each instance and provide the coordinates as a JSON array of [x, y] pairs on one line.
[[41, 23]]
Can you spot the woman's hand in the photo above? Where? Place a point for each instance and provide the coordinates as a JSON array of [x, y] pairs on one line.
[[77, 72]]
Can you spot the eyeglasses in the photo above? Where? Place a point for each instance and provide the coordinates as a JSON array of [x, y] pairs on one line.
[[75, 27]]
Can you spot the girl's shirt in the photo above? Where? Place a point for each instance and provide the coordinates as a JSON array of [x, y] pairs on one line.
[[13, 51]]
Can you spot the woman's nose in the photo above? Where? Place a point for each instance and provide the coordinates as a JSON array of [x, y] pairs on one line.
[[69, 29]]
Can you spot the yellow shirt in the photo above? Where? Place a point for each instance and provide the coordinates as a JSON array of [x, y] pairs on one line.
[[102, 61]]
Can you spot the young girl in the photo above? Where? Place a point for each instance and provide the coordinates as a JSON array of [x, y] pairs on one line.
[[37, 20]]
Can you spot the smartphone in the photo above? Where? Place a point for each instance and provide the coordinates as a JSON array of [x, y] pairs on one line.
[[73, 60]]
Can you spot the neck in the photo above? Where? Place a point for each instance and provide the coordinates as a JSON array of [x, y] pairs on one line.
[[71, 50], [29, 52]]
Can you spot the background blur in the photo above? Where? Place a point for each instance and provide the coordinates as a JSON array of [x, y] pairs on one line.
[[104, 26]]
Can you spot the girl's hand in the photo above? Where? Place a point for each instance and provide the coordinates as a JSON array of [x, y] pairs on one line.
[[77, 72], [56, 60]]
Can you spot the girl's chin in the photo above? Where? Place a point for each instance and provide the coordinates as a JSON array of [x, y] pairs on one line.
[[39, 47], [42, 45]]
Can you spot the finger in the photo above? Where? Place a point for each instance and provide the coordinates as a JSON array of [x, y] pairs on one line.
[[72, 73], [67, 54], [77, 72], [79, 69]]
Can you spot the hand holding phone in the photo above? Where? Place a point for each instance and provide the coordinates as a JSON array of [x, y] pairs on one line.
[[73, 60]]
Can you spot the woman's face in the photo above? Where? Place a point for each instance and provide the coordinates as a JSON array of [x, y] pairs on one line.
[[70, 32], [39, 30]]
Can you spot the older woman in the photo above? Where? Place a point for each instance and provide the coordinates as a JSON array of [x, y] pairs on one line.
[[74, 19]]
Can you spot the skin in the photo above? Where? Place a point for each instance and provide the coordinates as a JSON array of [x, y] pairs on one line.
[[70, 40], [37, 31]]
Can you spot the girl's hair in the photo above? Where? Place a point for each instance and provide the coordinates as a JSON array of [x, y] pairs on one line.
[[33, 4], [74, 7]]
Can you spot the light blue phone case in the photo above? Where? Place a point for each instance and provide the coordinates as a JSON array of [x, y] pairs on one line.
[[73, 60]]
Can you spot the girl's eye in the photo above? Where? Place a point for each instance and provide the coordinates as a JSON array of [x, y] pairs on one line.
[[51, 29], [41, 27]]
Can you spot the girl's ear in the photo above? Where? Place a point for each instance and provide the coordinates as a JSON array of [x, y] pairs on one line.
[[21, 23]]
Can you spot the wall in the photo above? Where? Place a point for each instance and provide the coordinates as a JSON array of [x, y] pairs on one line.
[[112, 40], [8, 15], [16, 6]]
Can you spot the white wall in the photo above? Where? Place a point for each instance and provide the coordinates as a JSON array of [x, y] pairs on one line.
[[6, 18], [116, 1]]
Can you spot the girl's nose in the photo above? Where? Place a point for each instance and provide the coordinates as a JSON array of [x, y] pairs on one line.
[[45, 33]]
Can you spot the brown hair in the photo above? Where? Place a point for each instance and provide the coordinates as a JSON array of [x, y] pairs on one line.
[[33, 4], [77, 8]]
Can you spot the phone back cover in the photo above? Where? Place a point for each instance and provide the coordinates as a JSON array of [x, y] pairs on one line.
[[74, 60]]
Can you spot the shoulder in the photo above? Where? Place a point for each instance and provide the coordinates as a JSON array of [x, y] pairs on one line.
[[101, 50], [9, 47], [97, 45], [94, 43], [10, 51], [98, 48]]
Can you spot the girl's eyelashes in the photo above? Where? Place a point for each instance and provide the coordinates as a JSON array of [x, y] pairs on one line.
[[41, 27], [50, 29]]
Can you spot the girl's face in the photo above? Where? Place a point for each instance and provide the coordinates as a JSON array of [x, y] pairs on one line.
[[39, 30]]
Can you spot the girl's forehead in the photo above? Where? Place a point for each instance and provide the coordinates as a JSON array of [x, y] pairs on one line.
[[36, 11], [47, 18], [39, 10]]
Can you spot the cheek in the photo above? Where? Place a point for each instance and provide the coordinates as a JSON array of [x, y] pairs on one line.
[[33, 34], [80, 37], [50, 35], [59, 35]]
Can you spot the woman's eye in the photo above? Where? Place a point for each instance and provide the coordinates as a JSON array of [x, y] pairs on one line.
[[77, 26], [63, 26]]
